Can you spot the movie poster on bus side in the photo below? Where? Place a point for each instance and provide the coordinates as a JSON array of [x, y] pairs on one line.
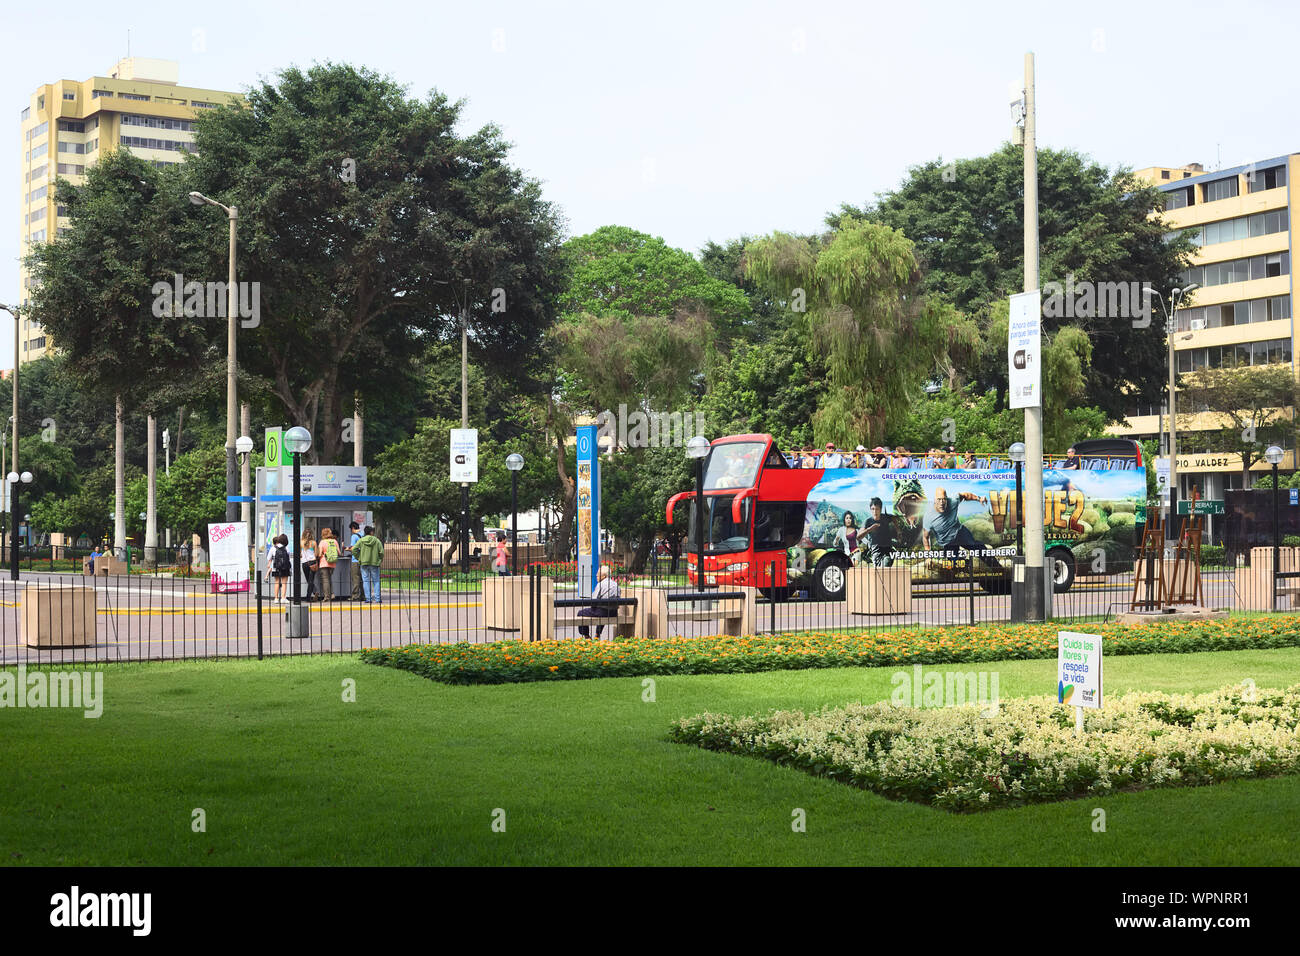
[[933, 521]]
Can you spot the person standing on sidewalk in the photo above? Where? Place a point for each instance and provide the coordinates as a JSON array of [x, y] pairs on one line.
[[307, 547], [327, 554], [357, 591], [369, 553]]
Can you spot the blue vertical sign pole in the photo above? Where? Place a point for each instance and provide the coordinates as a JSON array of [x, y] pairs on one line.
[[588, 490]]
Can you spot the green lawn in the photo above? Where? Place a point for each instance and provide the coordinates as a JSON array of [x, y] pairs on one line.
[[411, 773]]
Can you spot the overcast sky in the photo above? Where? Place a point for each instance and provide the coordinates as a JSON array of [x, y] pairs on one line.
[[708, 120]]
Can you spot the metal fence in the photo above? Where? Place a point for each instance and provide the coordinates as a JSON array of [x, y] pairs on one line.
[[58, 616]]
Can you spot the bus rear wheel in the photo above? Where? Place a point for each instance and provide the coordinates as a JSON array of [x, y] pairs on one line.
[[830, 577]]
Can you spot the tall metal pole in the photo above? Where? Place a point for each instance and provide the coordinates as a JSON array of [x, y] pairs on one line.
[[358, 431], [13, 503], [1277, 546], [1038, 591], [16, 310], [151, 507], [464, 423], [232, 404], [699, 530], [1020, 513], [514, 522], [297, 530], [1170, 533], [119, 481]]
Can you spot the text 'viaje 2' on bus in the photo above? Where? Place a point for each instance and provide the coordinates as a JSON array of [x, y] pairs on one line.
[[775, 525]]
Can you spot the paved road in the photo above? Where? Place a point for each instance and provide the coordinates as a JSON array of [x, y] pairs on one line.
[[162, 618]]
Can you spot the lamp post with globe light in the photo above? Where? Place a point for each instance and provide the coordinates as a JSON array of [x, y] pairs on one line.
[[297, 441], [514, 462], [698, 449], [14, 484], [1273, 454]]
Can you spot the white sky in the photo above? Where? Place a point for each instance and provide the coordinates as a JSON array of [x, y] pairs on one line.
[[706, 120]]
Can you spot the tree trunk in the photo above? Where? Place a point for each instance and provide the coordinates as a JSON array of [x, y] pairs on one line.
[[559, 546], [642, 553], [119, 483]]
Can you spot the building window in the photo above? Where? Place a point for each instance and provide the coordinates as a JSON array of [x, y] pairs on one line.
[[1179, 198], [154, 122], [38, 152], [60, 210], [71, 169], [66, 147], [40, 130], [38, 173], [1262, 179], [133, 96], [36, 194], [26, 113], [72, 126], [1221, 189], [144, 142], [96, 94], [69, 96], [199, 104], [1164, 174]]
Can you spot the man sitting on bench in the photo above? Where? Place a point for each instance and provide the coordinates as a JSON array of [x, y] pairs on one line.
[[606, 587]]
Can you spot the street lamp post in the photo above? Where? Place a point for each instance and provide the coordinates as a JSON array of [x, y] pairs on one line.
[[1274, 456], [232, 406], [1171, 317], [297, 441], [14, 480], [698, 448], [1017, 454], [14, 310], [514, 462]]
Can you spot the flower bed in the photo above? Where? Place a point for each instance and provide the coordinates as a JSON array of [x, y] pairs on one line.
[[513, 661], [958, 760]]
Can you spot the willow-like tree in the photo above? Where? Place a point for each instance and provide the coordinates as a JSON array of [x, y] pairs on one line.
[[883, 339]]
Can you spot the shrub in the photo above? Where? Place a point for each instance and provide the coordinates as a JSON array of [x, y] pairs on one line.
[[504, 662], [961, 758]]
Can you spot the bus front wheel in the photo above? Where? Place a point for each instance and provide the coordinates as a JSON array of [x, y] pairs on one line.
[[830, 577], [1062, 569]]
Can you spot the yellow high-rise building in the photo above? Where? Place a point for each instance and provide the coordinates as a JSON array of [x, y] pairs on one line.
[[68, 125], [1240, 312]]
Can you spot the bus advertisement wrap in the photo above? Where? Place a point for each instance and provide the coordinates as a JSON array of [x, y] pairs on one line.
[[930, 521]]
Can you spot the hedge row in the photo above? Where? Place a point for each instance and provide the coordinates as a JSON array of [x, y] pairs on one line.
[[505, 662]]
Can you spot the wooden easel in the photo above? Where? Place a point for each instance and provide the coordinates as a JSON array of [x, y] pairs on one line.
[[1185, 588], [1152, 548]]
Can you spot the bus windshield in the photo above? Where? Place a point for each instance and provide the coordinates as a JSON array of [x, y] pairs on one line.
[[733, 465], [722, 533]]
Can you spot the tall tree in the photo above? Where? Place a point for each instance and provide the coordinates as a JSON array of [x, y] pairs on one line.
[[967, 220], [861, 287], [95, 293], [371, 225], [1238, 410]]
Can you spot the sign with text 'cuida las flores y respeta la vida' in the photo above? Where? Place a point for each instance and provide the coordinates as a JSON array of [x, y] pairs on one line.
[[1078, 669]]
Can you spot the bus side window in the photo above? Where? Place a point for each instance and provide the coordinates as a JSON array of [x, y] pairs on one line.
[[778, 524]]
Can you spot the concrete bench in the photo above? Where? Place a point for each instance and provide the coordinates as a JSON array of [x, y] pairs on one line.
[[654, 612]]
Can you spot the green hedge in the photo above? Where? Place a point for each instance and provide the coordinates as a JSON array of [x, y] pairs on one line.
[[505, 662]]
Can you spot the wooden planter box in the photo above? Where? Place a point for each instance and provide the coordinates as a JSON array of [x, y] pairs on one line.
[[874, 590], [58, 616]]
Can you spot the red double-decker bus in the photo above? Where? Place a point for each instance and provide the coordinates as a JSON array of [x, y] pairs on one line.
[[774, 525]]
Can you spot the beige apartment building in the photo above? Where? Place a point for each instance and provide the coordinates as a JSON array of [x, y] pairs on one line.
[[67, 125]]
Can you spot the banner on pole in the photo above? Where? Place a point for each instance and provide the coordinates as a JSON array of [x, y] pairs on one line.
[[228, 556], [1024, 350], [588, 490], [464, 455]]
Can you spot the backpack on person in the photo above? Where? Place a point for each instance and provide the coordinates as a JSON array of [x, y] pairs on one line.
[[331, 550], [280, 562]]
